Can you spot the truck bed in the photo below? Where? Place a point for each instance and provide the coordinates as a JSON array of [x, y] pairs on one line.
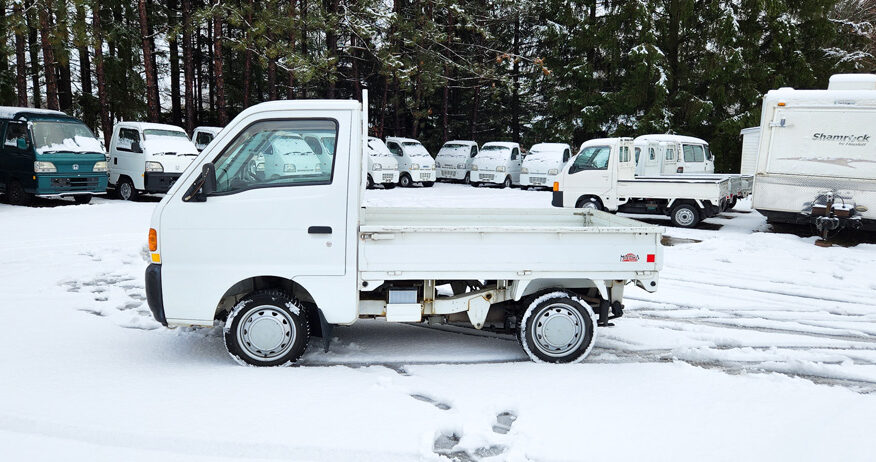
[[437, 243], [740, 185], [676, 187]]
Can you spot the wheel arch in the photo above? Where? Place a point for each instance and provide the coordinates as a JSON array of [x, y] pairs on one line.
[[584, 197], [265, 282], [523, 288]]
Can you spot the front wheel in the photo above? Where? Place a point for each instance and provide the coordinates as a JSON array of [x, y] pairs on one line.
[[16, 195], [126, 190], [557, 328], [405, 181], [428, 184], [475, 184], [685, 216], [82, 198], [506, 183], [589, 203], [267, 328], [370, 183], [467, 178]]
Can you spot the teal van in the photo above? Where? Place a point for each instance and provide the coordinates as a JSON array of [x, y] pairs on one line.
[[48, 153]]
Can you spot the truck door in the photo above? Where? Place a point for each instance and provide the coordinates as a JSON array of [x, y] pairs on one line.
[[125, 161], [17, 163], [670, 159], [694, 158], [515, 165]]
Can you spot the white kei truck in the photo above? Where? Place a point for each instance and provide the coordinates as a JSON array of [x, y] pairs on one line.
[[454, 159], [415, 164], [223, 252], [147, 158], [382, 167], [602, 177], [203, 135], [816, 159], [543, 163], [498, 163]]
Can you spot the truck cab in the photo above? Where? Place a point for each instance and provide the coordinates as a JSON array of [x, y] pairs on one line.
[[48, 153], [382, 166], [543, 164], [671, 155], [415, 164], [147, 158], [498, 163], [454, 159], [202, 136]]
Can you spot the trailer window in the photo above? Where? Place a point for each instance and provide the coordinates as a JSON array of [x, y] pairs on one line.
[[708, 153], [693, 153], [591, 158], [652, 154], [670, 154], [274, 153]]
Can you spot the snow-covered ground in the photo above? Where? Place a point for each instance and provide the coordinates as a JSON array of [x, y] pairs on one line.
[[757, 345]]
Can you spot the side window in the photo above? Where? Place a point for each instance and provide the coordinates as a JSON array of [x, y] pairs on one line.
[[514, 153], [652, 154], [127, 136], [566, 155], [394, 148], [474, 152], [14, 132], [670, 154], [638, 151], [693, 153], [274, 153], [203, 138], [708, 153]]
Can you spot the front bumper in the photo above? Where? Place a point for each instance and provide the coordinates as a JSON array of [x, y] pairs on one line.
[[154, 297], [451, 173], [485, 176], [384, 176], [159, 182], [422, 175], [557, 199], [59, 184], [537, 180]]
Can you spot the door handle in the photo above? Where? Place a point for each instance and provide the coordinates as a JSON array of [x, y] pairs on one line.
[[115, 161], [319, 230]]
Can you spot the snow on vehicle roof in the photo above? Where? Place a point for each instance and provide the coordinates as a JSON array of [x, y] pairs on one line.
[[399, 139], [832, 98], [213, 130], [504, 144], [546, 147], [149, 125], [468, 143], [749, 130], [668, 138], [600, 142], [10, 112]]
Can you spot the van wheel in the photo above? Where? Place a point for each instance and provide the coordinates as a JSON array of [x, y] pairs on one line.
[[557, 328], [475, 184], [82, 198], [405, 181], [370, 184], [126, 190], [16, 195], [388, 185], [685, 216], [267, 328], [506, 183], [467, 178], [428, 184], [588, 203]]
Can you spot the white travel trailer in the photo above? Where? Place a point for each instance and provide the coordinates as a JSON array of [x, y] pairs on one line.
[[542, 164], [750, 145], [415, 164], [279, 260], [382, 166], [499, 162], [453, 161], [671, 155], [147, 157], [816, 160], [202, 136]]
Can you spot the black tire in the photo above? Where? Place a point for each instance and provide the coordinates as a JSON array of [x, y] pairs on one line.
[[388, 185], [370, 183], [467, 178], [685, 215], [82, 198], [283, 332], [573, 333], [405, 181], [126, 190], [16, 195], [506, 183], [732, 203], [589, 203], [428, 184], [475, 184]]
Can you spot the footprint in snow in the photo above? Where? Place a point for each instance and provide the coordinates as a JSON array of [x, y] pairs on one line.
[[432, 401]]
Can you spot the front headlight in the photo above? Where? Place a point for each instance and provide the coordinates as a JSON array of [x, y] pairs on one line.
[[474, 168], [415, 166], [289, 168], [432, 167], [377, 166], [500, 168], [154, 167], [44, 167], [460, 165], [99, 166], [524, 170], [553, 171]]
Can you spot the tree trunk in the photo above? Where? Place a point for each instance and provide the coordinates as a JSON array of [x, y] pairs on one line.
[[382, 123], [515, 97], [357, 84], [474, 110], [331, 43], [6, 91], [211, 77], [217, 71], [105, 122], [20, 64], [247, 65], [188, 64], [445, 121], [48, 56], [199, 75], [173, 42], [150, 7], [33, 50], [151, 84], [290, 92], [84, 56], [62, 56], [272, 79], [303, 40]]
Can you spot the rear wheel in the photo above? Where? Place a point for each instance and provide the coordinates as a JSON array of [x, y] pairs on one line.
[[16, 195], [82, 198], [267, 328], [732, 203], [557, 328], [685, 216], [126, 190], [405, 181]]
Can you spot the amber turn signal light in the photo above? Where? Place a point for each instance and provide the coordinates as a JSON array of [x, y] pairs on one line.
[[556, 185], [153, 240]]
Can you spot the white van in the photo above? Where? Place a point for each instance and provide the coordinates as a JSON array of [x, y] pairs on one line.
[[543, 163], [415, 164], [382, 166], [453, 161], [147, 157], [672, 154], [816, 162], [499, 162], [202, 136]]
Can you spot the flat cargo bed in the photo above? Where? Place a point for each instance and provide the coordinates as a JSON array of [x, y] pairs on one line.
[[740, 185], [680, 186], [436, 243]]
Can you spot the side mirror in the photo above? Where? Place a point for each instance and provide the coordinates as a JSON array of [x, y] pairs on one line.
[[135, 147], [21, 143], [203, 186]]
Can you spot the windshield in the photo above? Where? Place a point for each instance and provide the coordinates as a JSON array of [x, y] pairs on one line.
[[545, 154], [454, 150], [592, 158], [72, 136], [495, 152], [378, 149], [156, 133], [290, 145], [415, 149]]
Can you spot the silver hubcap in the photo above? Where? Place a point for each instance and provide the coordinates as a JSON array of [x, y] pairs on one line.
[[266, 333], [558, 330], [684, 217], [125, 191], [589, 205]]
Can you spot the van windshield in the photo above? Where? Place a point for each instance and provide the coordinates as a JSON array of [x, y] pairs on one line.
[[495, 152], [66, 136], [415, 149], [454, 150], [156, 133]]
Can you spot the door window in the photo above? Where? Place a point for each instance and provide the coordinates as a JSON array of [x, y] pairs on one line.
[[127, 136], [652, 154], [274, 153], [14, 132], [394, 148], [591, 158], [638, 151], [708, 153], [203, 138], [693, 153], [474, 152], [566, 155], [514, 154], [670, 154]]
